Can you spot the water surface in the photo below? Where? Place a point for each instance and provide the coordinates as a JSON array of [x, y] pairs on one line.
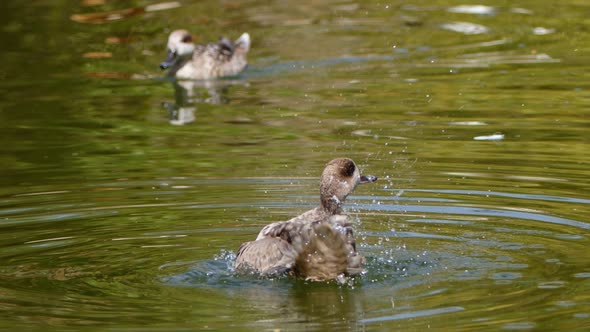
[[124, 195]]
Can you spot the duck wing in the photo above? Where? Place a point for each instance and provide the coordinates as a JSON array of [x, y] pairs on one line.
[[325, 255], [356, 262], [220, 52], [324, 247], [268, 257], [276, 249], [226, 47]]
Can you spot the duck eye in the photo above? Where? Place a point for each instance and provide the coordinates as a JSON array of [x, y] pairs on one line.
[[187, 39]]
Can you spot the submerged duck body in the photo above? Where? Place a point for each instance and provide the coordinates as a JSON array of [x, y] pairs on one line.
[[318, 244], [214, 60]]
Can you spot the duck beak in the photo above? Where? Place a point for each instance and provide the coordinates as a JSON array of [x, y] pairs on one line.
[[367, 179], [169, 60]]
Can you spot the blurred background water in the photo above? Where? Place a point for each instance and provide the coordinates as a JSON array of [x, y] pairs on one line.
[[124, 195]]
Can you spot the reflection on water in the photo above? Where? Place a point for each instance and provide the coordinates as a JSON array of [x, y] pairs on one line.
[[107, 16], [475, 116], [188, 94]]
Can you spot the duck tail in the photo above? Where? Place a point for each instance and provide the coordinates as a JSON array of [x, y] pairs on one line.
[[243, 42]]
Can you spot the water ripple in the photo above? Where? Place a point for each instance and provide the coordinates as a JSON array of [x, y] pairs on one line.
[[474, 211], [412, 314]]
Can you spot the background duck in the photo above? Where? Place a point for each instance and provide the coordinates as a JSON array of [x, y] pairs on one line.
[[318, 244], [189, 61]]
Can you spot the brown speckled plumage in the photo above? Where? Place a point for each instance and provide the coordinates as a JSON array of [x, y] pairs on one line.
[[189, 61], [318, 244]]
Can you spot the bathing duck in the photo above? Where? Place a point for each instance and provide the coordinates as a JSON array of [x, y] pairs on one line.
[[316, 245], [189, 61]]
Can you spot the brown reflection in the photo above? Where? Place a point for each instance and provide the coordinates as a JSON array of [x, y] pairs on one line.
[[118, 40], [90, 3], [189, 93], [98, 55], [108, 74], [103, 17]]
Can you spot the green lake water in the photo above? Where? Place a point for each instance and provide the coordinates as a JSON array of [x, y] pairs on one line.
[[124, 195]]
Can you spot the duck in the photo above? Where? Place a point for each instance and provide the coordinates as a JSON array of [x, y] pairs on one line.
[[316, 245], [186, 60]]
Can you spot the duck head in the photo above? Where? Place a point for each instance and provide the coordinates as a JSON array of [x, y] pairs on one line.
[[338, 180], [180, 45]]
